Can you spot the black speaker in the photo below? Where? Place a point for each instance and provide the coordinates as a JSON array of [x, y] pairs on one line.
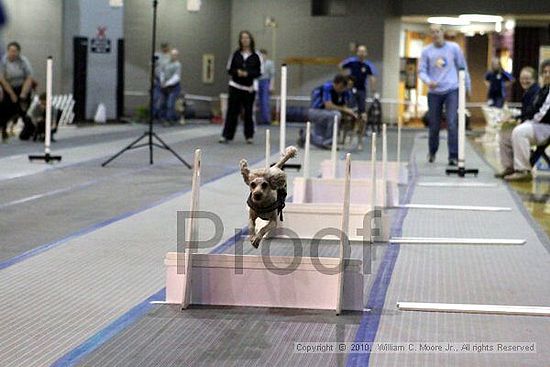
[[120, 80], [80, 74]]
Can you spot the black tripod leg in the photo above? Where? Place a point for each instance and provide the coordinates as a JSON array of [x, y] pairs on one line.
[[167, 147], [130, 146]]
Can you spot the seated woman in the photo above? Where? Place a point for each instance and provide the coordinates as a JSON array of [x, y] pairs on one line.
[[535, 130], [528, 81], [16, 82]]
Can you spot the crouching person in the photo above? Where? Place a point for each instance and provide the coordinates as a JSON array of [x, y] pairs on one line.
[[328, 101], [535, 130]]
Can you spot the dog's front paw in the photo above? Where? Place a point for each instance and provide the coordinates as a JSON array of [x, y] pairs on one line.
[[244, 164], [255, 241]]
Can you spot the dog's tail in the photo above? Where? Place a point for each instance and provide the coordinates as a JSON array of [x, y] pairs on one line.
[[290, 152]]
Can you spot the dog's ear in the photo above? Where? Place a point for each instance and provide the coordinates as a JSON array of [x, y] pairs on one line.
[[277, 180], [245, 171]]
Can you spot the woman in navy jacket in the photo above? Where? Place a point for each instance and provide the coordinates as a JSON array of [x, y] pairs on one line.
[[244, 66]]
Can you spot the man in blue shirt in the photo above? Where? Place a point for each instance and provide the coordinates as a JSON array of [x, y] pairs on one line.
[[438, 69], [363, 73], [327, 101], [497, 80]]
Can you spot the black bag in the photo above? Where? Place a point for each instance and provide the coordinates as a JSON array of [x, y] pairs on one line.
[[28, 129]]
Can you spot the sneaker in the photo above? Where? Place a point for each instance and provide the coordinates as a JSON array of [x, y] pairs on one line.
[[223, 140], [519, 176], [506, 172], [249, 141], [453, 162], [431, 158]]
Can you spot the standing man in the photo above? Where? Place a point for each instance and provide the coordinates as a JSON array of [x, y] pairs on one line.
[[363, 73], [170, 87], [438, 69], [497, 80], [162, 58], [265, 86]]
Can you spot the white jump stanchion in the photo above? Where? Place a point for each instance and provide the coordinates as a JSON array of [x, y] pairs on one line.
[[398, 144], [267, 148], [307, 158], [344, 230], [47, 157], [192, 236], [282, 131], [373, 170], [461, 171], [334, 151], [473, 308], [384, 159]]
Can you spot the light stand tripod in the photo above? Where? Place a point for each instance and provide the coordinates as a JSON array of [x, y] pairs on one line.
[[150, 134]]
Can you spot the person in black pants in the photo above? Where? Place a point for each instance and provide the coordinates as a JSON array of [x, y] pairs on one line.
[[244, 66], [17, 83]]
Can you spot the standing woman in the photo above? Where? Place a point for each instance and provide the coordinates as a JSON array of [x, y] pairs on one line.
[[244, 66], [16, 81]]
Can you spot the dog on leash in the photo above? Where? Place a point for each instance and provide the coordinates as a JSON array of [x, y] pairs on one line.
[[267, 195]]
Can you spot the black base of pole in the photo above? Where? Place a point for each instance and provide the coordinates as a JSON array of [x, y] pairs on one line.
[[46, 158], [148, 135], [461, 171]]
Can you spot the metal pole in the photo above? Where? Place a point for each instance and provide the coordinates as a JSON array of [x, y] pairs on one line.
[[282, 139], [49, 77]]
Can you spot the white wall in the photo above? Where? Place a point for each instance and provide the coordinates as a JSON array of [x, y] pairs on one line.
[[37, 26]]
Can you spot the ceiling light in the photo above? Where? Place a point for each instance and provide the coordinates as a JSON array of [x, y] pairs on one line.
[[481, 18], [448, 21]]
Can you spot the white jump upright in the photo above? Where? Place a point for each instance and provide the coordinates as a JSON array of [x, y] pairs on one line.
[[193, 226], [461, 170], [307, 156], [267, 148], [373, 170], [398, 143], [47, 157], [384, 159], [344, 230], [282, 130], [257, 280], [334, 151]]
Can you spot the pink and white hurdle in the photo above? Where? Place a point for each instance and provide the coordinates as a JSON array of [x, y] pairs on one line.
[[257, 281], [316, 202]]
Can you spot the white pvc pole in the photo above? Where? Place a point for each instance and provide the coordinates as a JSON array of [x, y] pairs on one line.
[[267, 148], [384, 161], [49, 77], [373, 170], [473, 308], [399, 145], [456, 241], [282, 139], [193, 229], [461, 117], [344, 232], [334, 152], [307, 149]]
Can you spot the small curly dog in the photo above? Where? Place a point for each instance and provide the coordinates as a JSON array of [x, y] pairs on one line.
[[267, 195]]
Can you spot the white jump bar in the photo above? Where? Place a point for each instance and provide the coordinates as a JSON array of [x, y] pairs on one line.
[[456, 184], [456, 207], [471, 308], [454, 241]]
